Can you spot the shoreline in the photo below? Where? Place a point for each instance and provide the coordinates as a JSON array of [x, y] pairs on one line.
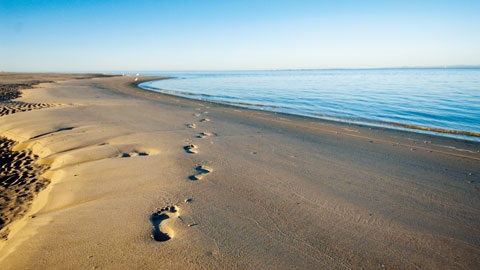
[[235, 187], [424, 129], [446, 133], [426, 134]]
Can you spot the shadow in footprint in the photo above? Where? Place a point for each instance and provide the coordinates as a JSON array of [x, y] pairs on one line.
[[158, 235], [202, 135], [133, 153], [156, 219], [191, 149], [201, 171]]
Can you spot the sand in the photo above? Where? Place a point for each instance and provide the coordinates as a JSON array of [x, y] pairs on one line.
[[20, 177], [139, 180]]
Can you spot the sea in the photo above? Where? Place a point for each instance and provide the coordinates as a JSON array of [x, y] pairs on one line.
[[443, 101]]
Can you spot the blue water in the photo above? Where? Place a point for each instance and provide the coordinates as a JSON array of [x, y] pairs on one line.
[[447, 99]]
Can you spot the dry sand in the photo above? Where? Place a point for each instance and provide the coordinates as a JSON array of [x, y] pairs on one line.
[[140, 180], [20, 178]]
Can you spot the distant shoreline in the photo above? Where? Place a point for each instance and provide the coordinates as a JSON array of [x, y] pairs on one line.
[[145, 72], [289, 69]]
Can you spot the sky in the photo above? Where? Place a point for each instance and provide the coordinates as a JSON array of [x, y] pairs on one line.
[[158, 35]]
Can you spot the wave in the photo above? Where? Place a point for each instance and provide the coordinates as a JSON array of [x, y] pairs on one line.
[[399, 125], [209, 97], [173, 92]]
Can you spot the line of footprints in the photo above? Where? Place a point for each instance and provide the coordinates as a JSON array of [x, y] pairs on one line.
[[161, 214], [200, 170]]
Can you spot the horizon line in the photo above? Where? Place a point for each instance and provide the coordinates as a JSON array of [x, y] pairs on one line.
[[279, 69]]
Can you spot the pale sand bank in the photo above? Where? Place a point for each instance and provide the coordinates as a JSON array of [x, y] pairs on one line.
[[20, 177], [223, 188]]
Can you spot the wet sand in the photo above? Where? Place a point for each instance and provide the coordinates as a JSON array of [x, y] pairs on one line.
[[143, 180]]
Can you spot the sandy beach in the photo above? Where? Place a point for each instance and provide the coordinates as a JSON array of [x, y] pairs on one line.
[[123, 178]]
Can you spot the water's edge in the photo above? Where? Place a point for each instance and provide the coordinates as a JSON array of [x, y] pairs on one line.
[[449, 133]]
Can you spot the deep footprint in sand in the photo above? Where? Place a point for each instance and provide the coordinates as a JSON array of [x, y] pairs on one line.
[[201, 171], [191, 125], [191, 149], [202, 135], [156, 218], [204, 120], [133, 153]]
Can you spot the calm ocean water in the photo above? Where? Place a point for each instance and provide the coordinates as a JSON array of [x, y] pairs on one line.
[[443, 99]]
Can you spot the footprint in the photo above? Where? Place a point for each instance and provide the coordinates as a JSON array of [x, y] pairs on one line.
[[156, 218], [201, 171], [191, 149], [204, 134], [204, 120], [196, 114], [133, 153], [191, 125]]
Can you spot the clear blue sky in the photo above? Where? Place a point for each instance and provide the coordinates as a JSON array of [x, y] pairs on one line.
[[113, 35]]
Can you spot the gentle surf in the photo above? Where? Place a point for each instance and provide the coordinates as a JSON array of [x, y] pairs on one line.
[[445, 101]]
